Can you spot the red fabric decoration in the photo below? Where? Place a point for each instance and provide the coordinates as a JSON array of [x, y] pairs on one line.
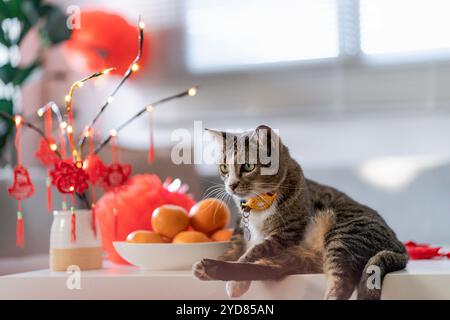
[[46, 156], [95, 47], [22, 186], [94, 167], [115, 175], [151, 149], [134, 202], [418, 251], [48, 183], [69, 177], [20, 239]]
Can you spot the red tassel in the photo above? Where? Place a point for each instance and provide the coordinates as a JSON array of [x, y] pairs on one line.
[[114, 149], [151, 150], [91, 140], [74, 226], [18, 138], [49, 195], [48, 123], [94, 222], [73, 220], [62, 141], [116, 223], [20, 240]]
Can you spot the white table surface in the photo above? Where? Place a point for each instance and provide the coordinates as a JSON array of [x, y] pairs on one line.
[[426, 279]]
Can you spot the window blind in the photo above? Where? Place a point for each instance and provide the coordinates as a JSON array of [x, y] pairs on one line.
[[222, 34]]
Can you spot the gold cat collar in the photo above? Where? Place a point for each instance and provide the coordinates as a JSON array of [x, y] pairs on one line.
[[259, 203]]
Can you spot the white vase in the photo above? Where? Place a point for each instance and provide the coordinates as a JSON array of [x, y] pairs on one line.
[[85, 252]]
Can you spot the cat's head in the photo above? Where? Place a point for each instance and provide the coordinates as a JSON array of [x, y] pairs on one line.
[[252, 162]]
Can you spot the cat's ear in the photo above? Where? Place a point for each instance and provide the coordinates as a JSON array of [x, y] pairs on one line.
[[265, 134], [215, 133], [270, 148]]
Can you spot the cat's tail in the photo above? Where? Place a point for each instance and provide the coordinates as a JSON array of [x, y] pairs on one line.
[[377, 267]]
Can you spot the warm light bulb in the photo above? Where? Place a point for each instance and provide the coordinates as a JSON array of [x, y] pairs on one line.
[[53, 147], [110, 99], [106, 71], [192, 92], [134, 67], [40, 112], [80, 84], [72, 188], [69, 129], [113, 133], [87, 132], [141, 25], [18, 120], [63, 125], [149, 108], [67, 98]]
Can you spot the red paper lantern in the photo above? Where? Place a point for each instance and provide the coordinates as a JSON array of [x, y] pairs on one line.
[[135, 203], [105, 40]]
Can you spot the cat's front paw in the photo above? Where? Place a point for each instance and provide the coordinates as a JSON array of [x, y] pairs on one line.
[[236, 289], [199, 271]]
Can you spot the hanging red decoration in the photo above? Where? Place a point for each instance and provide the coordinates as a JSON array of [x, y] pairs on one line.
[[69, 177], [22, 186], [151, 149], [94, 168], [94, 47], [45, 154], [115, 175]]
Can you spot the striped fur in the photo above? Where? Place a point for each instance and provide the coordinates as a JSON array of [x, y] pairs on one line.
[[310, 228]]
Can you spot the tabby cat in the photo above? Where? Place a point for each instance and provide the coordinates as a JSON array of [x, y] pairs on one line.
[[307, 227]]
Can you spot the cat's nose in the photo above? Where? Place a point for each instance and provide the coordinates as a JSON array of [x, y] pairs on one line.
[[234, 185]]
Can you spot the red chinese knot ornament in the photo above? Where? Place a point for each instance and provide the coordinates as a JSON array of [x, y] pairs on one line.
[[116, 175], [69, 177], [94, 168]]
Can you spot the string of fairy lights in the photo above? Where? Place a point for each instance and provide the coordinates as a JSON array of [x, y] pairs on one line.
[[66, 126], [70, 173]]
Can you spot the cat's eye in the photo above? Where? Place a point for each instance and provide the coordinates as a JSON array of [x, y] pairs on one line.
[[224, 168], [248, 167]]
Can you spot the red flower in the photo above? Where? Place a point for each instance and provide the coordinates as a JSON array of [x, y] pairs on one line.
[[69, 177], [94, 167], [115, 175], [22, 186], [46, 155]]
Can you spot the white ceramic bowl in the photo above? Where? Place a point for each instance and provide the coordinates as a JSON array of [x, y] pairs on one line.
[[168, 256]]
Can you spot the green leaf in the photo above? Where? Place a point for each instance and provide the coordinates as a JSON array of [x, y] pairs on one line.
[[6, 125], [55, 26], [7, 73], [30, 11], [14, 8]]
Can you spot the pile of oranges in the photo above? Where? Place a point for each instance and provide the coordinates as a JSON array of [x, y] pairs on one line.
[[205, 222]]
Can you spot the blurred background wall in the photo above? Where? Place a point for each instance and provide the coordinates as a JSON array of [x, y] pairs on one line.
[[357, 89]]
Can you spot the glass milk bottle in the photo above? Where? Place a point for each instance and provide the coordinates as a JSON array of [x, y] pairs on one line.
[[85, 252]]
